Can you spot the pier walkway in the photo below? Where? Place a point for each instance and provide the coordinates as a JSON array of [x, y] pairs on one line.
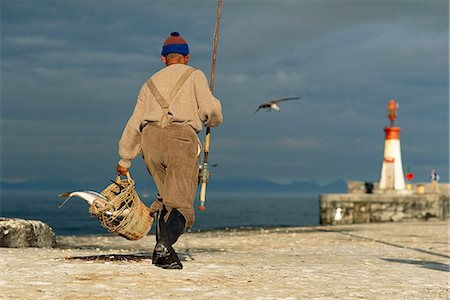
[[408, 260]]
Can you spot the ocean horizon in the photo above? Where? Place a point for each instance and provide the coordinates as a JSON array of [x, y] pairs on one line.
[[223, 210]]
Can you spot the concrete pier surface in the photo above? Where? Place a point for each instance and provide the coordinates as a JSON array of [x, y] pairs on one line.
[[405, 260]]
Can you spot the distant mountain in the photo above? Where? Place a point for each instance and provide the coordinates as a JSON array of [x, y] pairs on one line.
[[337, 186], [232, 185], [41, 185], [261, 185]]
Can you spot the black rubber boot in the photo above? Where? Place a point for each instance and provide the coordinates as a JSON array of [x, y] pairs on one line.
[[159, 220], [164, 255]]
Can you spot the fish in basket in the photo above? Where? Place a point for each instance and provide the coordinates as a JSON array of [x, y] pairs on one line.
[[118, 208]]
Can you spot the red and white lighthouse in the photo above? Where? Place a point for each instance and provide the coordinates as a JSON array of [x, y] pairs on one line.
[[392, 171]]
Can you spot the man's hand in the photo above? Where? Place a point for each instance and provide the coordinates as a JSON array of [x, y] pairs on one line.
[[121, 170]]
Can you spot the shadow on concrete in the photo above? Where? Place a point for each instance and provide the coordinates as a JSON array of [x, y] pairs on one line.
[[113, 257], [422, 263], [387, 243], [400, 246], [183, 256], [338, 230], [99, 246], [269, 229]]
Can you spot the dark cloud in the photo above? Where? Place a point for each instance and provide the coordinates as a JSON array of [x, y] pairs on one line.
[[71, 72]]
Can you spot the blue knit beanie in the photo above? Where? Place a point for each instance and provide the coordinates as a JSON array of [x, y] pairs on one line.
[[175, 44]]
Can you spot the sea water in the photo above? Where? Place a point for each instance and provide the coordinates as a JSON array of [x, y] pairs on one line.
[[222, 211]]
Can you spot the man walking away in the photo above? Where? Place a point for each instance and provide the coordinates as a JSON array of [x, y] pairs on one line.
[[170, 109]]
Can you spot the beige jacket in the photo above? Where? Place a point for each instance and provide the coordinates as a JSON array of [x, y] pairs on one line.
[[192, 105]]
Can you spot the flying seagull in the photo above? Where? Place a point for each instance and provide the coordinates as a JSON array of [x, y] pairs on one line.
[[273, 105]]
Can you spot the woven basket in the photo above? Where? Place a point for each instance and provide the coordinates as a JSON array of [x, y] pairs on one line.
[[124, 213]]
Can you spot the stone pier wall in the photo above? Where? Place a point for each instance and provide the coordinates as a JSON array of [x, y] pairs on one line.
[[363, 207]]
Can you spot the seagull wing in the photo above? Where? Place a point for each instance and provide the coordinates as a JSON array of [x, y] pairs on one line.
[[264, 105], [284, 99]]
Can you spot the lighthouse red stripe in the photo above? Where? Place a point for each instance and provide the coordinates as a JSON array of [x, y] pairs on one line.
[[392, 133]]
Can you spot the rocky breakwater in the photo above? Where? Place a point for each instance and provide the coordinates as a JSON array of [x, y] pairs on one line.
[[19, 233]]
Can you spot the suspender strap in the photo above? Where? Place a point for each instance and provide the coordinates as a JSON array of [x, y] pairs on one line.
[[180, 83], [165, 121], [161, 100]]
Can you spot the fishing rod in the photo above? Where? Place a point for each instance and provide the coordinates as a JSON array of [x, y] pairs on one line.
[[205, 170]]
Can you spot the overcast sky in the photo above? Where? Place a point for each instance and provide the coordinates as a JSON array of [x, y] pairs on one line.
[[71, 71]]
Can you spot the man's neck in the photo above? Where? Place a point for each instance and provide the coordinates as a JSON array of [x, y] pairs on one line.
[[174, 63]]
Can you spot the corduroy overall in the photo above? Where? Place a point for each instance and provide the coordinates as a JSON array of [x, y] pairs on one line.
[[170, 152]]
